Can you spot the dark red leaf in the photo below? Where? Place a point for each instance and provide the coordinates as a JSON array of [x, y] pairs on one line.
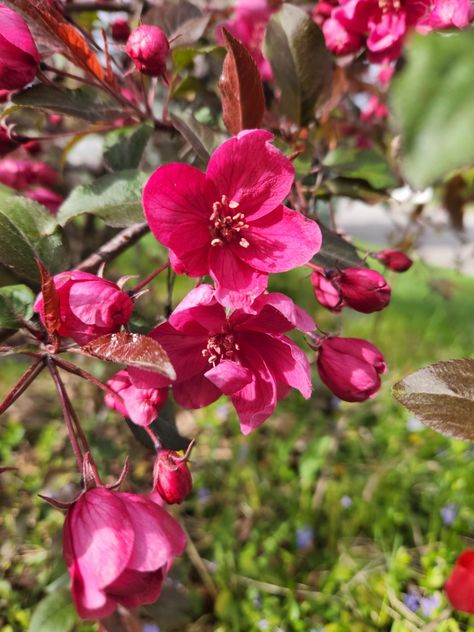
[[52, 319], [243, 102], [134, 350]]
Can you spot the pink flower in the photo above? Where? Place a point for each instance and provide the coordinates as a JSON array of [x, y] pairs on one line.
[[244, 354], [89, 306], [46, 197], [148, 48], [339, 39], [375, 109], [19, 57], [382, 24], [141, 405], [171, 477], [230, 222], [248, 26], [364, 290], [21, 174], [350, 367], [460, 584], [394, 260], [326, 293], [118, 549], [447, 14]]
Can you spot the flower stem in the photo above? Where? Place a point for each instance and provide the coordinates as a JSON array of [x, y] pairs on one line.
[[148, 278], [20, 387]]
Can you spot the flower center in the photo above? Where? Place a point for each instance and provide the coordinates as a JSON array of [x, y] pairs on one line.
[[390, 6], [225, 224], [220, 347]]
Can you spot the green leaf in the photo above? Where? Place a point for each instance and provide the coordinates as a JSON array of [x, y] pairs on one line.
[[201, 138], [15, 301], [115, 198], [54, 613], [433, 105], [442, 396], [362, 164], [84, 103], [123, 148], [164, 426], [28, 230], [336, 252], [300, 61]]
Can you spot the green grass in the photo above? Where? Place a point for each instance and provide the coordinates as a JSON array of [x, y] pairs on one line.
[[368, 486]]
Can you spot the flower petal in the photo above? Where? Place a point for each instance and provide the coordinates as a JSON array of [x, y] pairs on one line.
[[249, 170], [229, 376], [274, 313], [280, 241], [196, 392], [199, 313], [133, 588]]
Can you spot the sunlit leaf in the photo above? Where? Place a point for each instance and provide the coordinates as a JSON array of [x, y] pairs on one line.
[[442, 396], [300, 61], [362, 164], [243, 101], [133, 350], [54, 613]]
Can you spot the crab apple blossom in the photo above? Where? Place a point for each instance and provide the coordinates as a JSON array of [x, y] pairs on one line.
[[171, 477], [325, 292], [364, 290], [244, 354], [350, 367], [19, 57], [230, 222], [460, 584], [118, 549], [148, 48], [141, 405], [448, 14], [89, 306], [394, 260]]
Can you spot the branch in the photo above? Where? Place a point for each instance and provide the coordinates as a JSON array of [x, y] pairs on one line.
[[76, 7], [114, 247]]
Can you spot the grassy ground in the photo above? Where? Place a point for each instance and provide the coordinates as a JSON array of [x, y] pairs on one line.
[[331, 517]]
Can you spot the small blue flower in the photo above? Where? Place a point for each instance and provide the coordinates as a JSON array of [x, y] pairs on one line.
[[263, 624], [203, 495], [346, 502], [449, 513], [428, 604], [304, 537], [415, 425], [150, 627], [411, 601]]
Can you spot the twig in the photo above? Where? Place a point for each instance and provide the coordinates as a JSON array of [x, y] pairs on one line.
[[148, 278], [200, 565], [75, 370], [114, 247], [20, 387]]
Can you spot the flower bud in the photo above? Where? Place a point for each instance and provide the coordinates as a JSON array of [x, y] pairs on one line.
[[120, 30], [148, 48], [394, 260], [326, 293], [364, 290], [7, 143], [46, 197], [141, 405], [89, 306], [20, 174], [19, 57], [171, 477], [350, 367]]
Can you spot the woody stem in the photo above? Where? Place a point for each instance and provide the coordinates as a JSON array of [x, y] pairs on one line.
[[148, 278], [20, 387]]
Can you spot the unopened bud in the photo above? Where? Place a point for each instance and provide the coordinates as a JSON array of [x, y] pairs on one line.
[[148, 48], [171, 477], [120, 30], [394, 260]]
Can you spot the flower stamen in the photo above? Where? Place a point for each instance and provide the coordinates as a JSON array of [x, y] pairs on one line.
[[225, 227]]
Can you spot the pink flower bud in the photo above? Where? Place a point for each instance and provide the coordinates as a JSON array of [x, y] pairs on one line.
[[326, 293], [460, 584], [395, 260], [118, 548], [19, 57], [89, 306], [20, 174], [350, 368], [141, 405], [171, 477], [148, 48], [46, 197], [33, 147], [7, 143], [120, 30], [364, 290]]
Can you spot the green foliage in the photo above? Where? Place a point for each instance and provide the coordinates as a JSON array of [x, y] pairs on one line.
[[361, 164], [201, 138], [27, 230], [15, 301], [336, 252], [123, 148], [54, 613], [302, 65], [115, 198], [433, 101]]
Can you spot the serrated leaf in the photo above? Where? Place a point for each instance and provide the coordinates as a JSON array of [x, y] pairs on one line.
[[15, 301], [54, 613], [84, 103], [442, 396], [336, 252], [243, 101], [432, 101], [361, 164], [28, 230], [300, 61], [115, 198], [133, 350], [123, 148], [201, 138]]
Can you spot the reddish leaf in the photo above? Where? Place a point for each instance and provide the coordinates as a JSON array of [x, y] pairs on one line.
[[52, 319], [243, 102], [44, 14], [134, 350]]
